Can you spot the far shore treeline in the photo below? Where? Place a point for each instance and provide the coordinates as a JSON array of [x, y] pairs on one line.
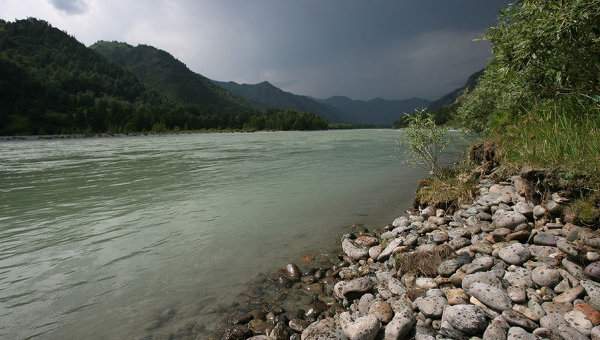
[[52, 84]]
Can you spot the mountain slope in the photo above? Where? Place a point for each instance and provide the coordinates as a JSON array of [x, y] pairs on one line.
[[376, 111], [265, 95], [160, 71], [453, 96], [52, 84]]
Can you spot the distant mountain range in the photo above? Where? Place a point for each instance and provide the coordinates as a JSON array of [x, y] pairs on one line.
[[378, 112], [452, 97]]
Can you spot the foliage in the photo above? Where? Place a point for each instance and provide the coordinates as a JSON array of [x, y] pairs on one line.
[[425, 140], [453, 187], [542, 50], [561, 134], [52, 84]]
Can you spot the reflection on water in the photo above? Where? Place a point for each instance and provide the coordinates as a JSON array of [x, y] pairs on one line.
[[98, 237]]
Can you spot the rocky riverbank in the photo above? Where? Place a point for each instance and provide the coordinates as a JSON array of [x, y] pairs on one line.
[[510, 265]]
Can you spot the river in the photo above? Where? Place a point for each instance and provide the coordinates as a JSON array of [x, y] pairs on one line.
[[100, 236]]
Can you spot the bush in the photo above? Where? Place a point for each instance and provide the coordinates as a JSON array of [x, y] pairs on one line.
[[425, 141]]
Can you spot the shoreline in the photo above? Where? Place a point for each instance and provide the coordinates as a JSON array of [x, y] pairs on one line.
[[155, 134], [508, 265]]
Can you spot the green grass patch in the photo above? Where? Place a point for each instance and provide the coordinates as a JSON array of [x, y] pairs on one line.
[[453, 187]]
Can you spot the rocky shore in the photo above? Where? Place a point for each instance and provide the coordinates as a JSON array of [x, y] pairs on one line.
[[510, 265]]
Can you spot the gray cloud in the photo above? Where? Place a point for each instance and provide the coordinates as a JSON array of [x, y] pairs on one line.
[[362, 49], [70, 6]]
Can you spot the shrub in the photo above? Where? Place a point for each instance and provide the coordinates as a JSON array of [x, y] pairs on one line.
[[425, 141]]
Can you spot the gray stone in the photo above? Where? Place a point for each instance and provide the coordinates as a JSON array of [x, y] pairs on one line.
[[479, 264], [431, 306], [494, 297], [577, 320], [517, 333], [566, 247], [593, 291], [545, 276], [573, 269], [468, 319], [400, 326], [515, 253], [508, 219], [359, 285], [544, 239], [321, 330], [382, 311], [353, 250], [519, 320], [363, 328], [375, 251], [595, 333], [395, 243], [482, 277], [496, 330], [516, 294], [519, 277], [592, 270]]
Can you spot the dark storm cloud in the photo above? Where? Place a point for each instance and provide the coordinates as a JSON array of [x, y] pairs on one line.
[[70, 6], [358, 48]]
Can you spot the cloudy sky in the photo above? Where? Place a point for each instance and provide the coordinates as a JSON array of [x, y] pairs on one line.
[[358, 48]]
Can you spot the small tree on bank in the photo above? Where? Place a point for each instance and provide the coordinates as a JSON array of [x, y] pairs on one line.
[[425, 141]]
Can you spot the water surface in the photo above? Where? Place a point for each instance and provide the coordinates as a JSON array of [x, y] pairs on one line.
[[98, 236]]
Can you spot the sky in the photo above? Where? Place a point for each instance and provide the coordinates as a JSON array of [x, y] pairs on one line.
[[362, 49]]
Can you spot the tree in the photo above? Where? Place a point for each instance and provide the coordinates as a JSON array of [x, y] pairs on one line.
[[425, 141]]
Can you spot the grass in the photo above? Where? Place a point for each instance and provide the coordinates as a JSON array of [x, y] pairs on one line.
[[450, 189], [423, 263], [556, 135]]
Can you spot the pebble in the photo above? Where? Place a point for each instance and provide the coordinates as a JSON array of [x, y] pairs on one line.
[[400, 326], [382, 311], [492, 296], [592, 270], [517, 333], [593, 291], [431, 306], [544, 276], [515, 253], [468, 319], [577, 320], [363, 328]]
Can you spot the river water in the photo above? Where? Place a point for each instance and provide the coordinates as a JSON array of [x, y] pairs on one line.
[[98, 237]]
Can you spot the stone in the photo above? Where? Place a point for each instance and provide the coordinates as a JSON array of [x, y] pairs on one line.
[[236, 332], [298, 325], [517, 319], [524, 208], [479, 264], [577, 320], [468, 319], [592, 270], [425, 283], [518, 333], [375, 251], [363, 328], [528, 313], [569, 295], [566, 247], [401, 221], [456, 296], [515, 253], [570, 333], [395, 243], [593, 291], [519, 277], [496, 330], [382, 311], [321, 330], [482, 277], [364, 303], [494, 297], [359, 285], [573, 269], [545, 276], [400, 326], [508, 219], [292, 272], [353, 250], [595, 333], [439, 236], [431, 306], [544, 239], [366, 240], [516, 294], [539, 211], [589, 312]]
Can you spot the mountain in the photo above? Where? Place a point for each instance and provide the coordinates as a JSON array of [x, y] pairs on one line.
[[160, 71], [52, 84], [453, 96], [266, 95], [378, 111]]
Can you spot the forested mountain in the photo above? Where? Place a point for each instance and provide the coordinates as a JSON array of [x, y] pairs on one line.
[[266, 95], [50, 83], [376, 111], [451, 97], [160, 71]]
